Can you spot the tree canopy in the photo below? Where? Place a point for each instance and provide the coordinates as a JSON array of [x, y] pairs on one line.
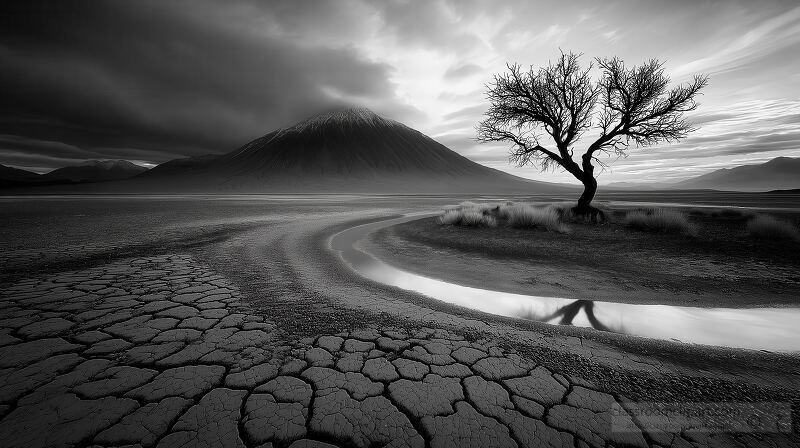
[[625, 105]]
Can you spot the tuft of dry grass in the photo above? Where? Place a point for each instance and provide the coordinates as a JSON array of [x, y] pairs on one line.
[[563, 208], [476, 218], [468, 205], [468, 217], [526, 216], [473, 214], [567, 214], [660, 220], [768, 228], [450, 217]]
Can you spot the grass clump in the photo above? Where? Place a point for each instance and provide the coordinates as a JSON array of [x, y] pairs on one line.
[[768, 228], [476, 218], [468, 217], [526, 216], [660, 220], [470, 214], [450, 217]]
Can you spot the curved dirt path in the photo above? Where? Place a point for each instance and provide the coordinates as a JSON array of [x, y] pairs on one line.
[[262, 338]]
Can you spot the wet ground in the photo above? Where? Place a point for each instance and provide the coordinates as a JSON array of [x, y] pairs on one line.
[[216, 322]]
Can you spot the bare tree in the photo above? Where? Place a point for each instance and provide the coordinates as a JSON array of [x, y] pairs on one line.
[[626, 105]]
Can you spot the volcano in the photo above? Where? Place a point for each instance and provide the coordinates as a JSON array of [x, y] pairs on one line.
[[346, 151]]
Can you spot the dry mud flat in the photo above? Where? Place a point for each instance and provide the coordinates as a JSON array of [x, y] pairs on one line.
[[160, 352], [165, 350]]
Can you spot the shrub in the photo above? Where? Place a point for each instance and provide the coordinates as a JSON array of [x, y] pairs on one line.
[[769, 228], [562, 207], [476, 218], [503, 210], [468, 218], [659, 220], [473, 214], [525, 216], [450, 217]]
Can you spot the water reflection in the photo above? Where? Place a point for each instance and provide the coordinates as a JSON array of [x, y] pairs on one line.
[[755, 328], [568, 313]]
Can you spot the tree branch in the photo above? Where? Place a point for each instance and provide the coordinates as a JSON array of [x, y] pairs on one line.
[[627, 105]]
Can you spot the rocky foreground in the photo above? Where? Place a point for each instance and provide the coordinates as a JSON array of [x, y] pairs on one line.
[[165, 351]]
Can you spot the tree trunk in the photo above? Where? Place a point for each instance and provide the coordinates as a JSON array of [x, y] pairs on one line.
[[585, 201]]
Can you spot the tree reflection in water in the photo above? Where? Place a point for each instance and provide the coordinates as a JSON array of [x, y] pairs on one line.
[[567, 314]]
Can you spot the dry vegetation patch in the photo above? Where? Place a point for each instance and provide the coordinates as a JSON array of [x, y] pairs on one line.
[[697, 223], [467, 214], [660, 220], [517, 215], [769, 228]]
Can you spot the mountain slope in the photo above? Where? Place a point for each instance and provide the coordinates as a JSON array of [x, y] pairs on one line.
[[14, 177], [345, 151], [8, 173], [95, 171], [782, 173]]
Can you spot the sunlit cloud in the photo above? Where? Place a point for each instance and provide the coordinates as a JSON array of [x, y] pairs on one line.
[[781, 30]]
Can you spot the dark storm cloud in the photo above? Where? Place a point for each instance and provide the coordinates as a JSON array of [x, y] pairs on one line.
[[164, 77], [13, 143], [44, 155]]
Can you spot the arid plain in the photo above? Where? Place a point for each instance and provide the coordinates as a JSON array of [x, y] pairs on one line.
[[136, 319]]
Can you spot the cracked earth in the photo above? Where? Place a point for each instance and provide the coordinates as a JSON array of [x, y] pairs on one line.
[[163, 351]]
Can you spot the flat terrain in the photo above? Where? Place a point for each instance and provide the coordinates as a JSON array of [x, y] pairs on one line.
[[226, 321], [719, 266]]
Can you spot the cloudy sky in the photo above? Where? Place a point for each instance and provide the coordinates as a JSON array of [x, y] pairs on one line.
[[150, 81]]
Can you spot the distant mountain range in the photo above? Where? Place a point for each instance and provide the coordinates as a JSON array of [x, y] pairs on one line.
[[354, 151], [781, 173], [96, 171], [86, 172]]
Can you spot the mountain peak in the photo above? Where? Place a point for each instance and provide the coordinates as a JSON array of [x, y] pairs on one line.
[[348, 112], [346, 116], [354, 146]]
